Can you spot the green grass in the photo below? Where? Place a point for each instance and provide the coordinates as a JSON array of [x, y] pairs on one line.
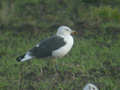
[[94, 57], [94, 60]]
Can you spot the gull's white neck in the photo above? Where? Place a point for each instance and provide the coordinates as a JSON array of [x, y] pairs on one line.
[[66, 48]]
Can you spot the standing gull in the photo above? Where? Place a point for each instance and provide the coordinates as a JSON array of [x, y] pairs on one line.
[[56, 46]]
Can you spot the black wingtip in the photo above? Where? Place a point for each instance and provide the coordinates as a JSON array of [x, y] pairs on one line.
[[20, 58]]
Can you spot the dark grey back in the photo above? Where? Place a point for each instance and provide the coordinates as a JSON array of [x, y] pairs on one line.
[[47, 46]]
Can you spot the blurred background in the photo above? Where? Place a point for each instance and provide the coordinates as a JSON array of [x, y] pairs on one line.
[[94, 57]]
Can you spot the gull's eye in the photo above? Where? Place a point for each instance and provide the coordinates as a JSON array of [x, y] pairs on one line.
[[67, 29]]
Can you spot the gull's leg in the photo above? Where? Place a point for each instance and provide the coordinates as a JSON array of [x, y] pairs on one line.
[[55, 64], [52, 64]]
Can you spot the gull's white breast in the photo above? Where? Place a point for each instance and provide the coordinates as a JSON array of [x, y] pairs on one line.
[[62, 51]]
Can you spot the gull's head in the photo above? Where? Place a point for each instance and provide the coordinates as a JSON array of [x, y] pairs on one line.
[[64, 30], [90, 87]]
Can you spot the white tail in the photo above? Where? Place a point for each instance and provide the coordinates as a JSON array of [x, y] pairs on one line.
[[24, 57]]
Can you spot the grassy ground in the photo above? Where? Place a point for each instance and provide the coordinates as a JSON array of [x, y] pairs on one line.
[[92, 59]]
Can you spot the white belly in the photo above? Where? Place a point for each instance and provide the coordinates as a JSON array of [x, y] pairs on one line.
[[65, 49]]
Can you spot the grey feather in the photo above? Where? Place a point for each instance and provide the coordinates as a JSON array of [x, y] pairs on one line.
[[47, 46]]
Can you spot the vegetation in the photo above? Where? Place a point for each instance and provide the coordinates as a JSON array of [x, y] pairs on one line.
[[94, 57]]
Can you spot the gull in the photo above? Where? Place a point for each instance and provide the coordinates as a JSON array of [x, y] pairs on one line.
[[56, 46], [90, 86]]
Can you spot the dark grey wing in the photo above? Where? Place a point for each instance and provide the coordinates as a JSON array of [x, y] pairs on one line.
[[45, 47]]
